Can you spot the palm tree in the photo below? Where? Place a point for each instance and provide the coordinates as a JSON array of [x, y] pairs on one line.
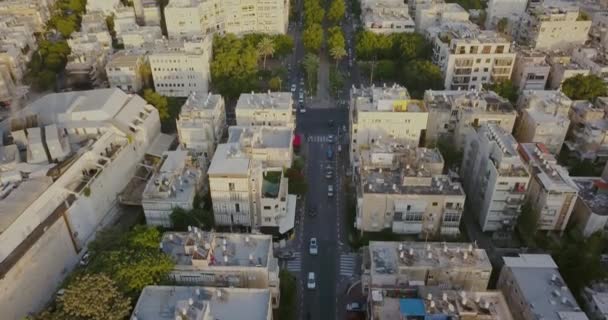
[[265, 49], [311, 64], [337, 53]]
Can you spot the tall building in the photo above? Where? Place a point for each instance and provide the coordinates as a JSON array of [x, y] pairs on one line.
[[223, 260], [588, 139], [453, 112], [534, 289], [531, 70], [265, 109], [551, 192], [180, 67], [378, 113], [470, 58], [495, 177], [511, 10]]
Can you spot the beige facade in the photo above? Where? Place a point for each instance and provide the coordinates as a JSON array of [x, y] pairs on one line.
[[531, 70], [434, 13], [387, 16], [124, 71], [265, 109], [35, 12], [588, 139], [590, 213], [202, 123]]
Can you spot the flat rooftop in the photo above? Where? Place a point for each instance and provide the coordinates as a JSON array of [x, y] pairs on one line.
[[543, 287], [468, 101], [380, 181], [508, 163], [594, 193], [13, 205], [228, 160], [169, 303], [124, 59], [390, 257], [198, 102], [544, 166], [201, 249], [176, 179], [261, 137], [385, 99], [269, 100]]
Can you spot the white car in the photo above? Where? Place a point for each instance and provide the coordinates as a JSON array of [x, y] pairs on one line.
[[311, 284], [313, 248], [293, 88], [302, 110], [85, 259]]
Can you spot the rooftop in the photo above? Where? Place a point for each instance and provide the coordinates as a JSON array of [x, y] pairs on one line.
[[385, 99], [229, 160], [177, 178], [201, 249], [504, 157], [543, 287], [204, 303], [123, 59], [198, 102], [550, 101], [269, 100], [261, 137], [594, 193], [544, 166], [390, 257], [473, 101]]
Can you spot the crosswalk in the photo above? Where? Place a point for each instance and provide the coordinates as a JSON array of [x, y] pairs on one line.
[[347, 264], [318, 139], [295, 265]]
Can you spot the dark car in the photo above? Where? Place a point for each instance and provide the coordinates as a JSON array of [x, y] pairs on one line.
[[330, 154]]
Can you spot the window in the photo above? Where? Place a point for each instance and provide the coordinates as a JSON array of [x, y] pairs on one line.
[[486, 49], [231, 186], [485, 69], [500, 49], [237, 207], [267, 207], [478, 61], [435, 204], [266, 219], [474, 49]]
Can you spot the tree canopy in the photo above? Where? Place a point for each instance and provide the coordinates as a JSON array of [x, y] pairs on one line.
[[283, 44], [265, 48], [336, 11], [311, 65], [335, 38], [582, 87], [94, 297], [313, 12], [159, 101], [421, 75], [234, 66], [197, 217], [312, 37], [396, 46], [505, 89]]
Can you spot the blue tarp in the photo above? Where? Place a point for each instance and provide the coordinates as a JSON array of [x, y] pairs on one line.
[[412, 307]]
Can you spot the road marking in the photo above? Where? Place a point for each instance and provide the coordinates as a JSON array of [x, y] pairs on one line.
[[295, 265], [347, 264], [318, 139]]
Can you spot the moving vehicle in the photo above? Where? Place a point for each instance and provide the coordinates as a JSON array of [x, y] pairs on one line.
[[313, 248], [311, 284], [330, 191], [331, 138], [85, 259], [330, 154], [329, 174]]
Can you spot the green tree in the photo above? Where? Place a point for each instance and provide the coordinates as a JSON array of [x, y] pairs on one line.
[[469, 4], [335, 38], [502, 25], [197, 217], [421, 75], [159, 102], [283, 44], [582, 87], [66, 25], [386, 70], [297, 182], [94, 297], [312, 37], [527, 222], [336, 11], [288, 288], [275, 83], [505, 89], [366, 45], [265, 49], [234, 67], [311, 65], [313, 12], [410, 46], [337, 53], [336, 81]]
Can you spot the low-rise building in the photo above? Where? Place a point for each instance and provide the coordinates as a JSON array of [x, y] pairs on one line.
[[534, 289], [106, 6], [595, 300], [468, 57], [563, 68], [495, 177], [124, 19], [93, 28], [396, 267], [551, 193], [175, 185], [453, 112], [543, 118], [202, 123], [140, 37], [180, 67], [202, 303], [36, 13], [124, 71], [590, 213], [512, 10], [223, 260], [378, 113], [86, 70], [588, 137], [435, 13], [593, 59], [403, 189], [265, 109], [247, 183], [387, 16], [531, 70]]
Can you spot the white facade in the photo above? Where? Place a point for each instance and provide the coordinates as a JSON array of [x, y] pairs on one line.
[[387, 16], [140, 37], [106, 6], [495, 177], [470, 58], [124, 19], [59, 216], [265, 109], [435, 13], [531, 70], [509, 9], [124, 71], [202, 123], [180, 67], [34, 12]]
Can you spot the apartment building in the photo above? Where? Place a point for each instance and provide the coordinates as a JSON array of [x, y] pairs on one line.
[[588, 138], [195, 17], [147, 12], [106, 6], [495, 177], [91, 145], [265, 109], [593, 59], [563, 68], [175, 185], [551, 192], [140, 37], [531, 70], [397, 267], [246, 180], [387, 16], [403, 189], [435, 13], [124, 19], [595, 300], [435, 303], [124, 71], [543, 118], [378, 113], [223, 260], [534, 289], [453, 112], [180, 67], [590, 213], [470, 58], [511, 10], [202, 123], [553, 25], [202, 303], [8, 89], [36, 13]]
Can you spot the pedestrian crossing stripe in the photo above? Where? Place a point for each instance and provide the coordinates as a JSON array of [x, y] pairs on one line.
[[319, 139], [295, 265], [347, 265]]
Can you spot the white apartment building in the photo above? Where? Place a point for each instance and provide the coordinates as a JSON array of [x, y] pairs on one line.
[[588, 139], [534, 289], [553, 25], [596, 301], [435, 13], [36, 13], [17, 44], [590, 213], [470, 58], [82, 43], [265, 109], [395, 267], [140, 37], [378, 113], [593, 59], [202, 123], [124, 71], [387, 16], [124, 19], [97, 138], [495, 177], [246, 180], [453, 112], [202, 303], [147, 12], [175, 185], [196, 17], [512, 10], [551, 192], [223, 260], [531, 70], [543, 118], [106, 6], [180, 67], [403, 189]]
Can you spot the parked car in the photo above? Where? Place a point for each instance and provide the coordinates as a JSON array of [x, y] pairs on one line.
[[85, 259], [329, 174], [311, 284], [313, 248], [331, 138], [330, 191]]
